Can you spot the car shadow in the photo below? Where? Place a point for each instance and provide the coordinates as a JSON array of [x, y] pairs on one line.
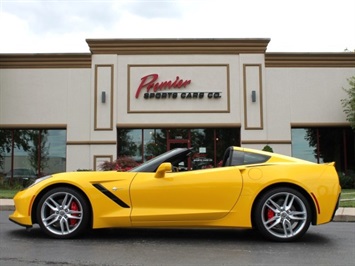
[[170, 236]]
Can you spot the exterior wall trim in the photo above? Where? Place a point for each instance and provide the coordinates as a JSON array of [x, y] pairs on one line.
[[260, 95], [266, 142], [101, 157], [177, 46], [300, 125], [130, 66], [34, 126], [45, 61], [345, 59], [189, 125], [89, 142], [111, 97]]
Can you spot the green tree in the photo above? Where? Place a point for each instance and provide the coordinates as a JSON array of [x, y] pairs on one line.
[[327, 143], [349, 103], [18, 138], [127, 147], [38, 153]]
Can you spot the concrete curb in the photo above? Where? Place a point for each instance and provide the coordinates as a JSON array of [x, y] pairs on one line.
[[345, 215], [7, 205], [341, 215]]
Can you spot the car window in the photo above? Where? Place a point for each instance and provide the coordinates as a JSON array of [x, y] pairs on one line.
[[242, 158]]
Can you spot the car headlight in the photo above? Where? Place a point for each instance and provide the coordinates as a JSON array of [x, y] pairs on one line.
[[40, 180]]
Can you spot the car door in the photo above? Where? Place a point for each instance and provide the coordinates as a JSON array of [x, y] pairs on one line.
[[202, 195]]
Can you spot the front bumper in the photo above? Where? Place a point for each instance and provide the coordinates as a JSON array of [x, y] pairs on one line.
[[23, 207]]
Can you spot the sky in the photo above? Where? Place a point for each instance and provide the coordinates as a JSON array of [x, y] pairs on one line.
[[62, 26]]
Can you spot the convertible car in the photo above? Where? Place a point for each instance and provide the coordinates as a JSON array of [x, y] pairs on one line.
[[280, 196]]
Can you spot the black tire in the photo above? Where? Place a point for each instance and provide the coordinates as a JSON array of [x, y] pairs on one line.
[[282, 214], [63, 213]]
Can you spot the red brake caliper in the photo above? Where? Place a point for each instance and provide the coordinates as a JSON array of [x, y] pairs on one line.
[[74, 207], [270, 214]]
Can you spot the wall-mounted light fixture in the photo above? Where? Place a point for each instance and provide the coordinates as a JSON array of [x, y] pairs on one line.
[[253, 96], [103, 96]]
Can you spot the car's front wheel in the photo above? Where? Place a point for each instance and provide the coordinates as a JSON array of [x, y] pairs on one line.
[[282, 214], [63, 213]]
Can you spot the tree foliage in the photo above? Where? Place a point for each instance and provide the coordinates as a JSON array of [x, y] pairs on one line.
[[268, 148], [38, 153], [20, 138], [34, 142], [349, 103]]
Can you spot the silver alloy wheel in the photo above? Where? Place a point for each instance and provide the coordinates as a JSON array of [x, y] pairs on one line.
[[284, 215], [61, 213]]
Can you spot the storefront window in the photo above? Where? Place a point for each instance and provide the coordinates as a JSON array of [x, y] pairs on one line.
[[55, 148], [130, 143], [301, 146], [154, 143], [179, 133], [203, 141], [33, 153], [325, 145], [209, 144]]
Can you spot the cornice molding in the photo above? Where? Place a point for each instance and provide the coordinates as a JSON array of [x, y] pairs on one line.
[[344, 59], [167, 46], [266, 142], [177, 125], [45, 60], [92, 142], [177, 46], [306, 125], [33, 126]]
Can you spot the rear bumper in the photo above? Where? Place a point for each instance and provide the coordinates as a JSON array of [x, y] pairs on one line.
[[336, 207]]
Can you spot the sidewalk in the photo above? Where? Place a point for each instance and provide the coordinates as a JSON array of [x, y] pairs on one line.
[[342, 214]]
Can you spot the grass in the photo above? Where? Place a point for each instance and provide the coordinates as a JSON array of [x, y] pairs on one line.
[[7, 193], [347, 196]]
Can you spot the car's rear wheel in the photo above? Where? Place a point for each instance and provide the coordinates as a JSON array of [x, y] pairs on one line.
[[63, 213], [282, 214]]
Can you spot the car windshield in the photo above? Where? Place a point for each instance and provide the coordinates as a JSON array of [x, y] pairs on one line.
[[173, 156]]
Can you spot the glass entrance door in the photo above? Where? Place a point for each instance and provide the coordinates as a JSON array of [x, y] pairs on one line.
[[180, 138], [173, 144]]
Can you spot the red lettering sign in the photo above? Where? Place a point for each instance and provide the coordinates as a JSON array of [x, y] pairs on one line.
[[149, 83]]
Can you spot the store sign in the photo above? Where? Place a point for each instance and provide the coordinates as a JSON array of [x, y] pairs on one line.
[[152, 88], [178, 88]]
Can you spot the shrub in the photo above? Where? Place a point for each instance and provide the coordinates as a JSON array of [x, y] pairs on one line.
[[268, 148], [347, 180], [121, 164]]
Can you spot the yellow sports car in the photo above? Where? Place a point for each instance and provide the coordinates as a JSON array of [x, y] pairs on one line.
[[278, 195]]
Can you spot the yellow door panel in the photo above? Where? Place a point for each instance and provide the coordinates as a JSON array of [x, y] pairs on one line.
[[185, 196]]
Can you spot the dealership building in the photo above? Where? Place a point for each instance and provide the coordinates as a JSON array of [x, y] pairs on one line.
[[142, 97]]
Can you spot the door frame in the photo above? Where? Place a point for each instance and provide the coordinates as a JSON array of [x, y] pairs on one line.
[[187, 142]]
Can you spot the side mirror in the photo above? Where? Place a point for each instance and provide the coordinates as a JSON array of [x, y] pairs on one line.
[[162, 169]]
